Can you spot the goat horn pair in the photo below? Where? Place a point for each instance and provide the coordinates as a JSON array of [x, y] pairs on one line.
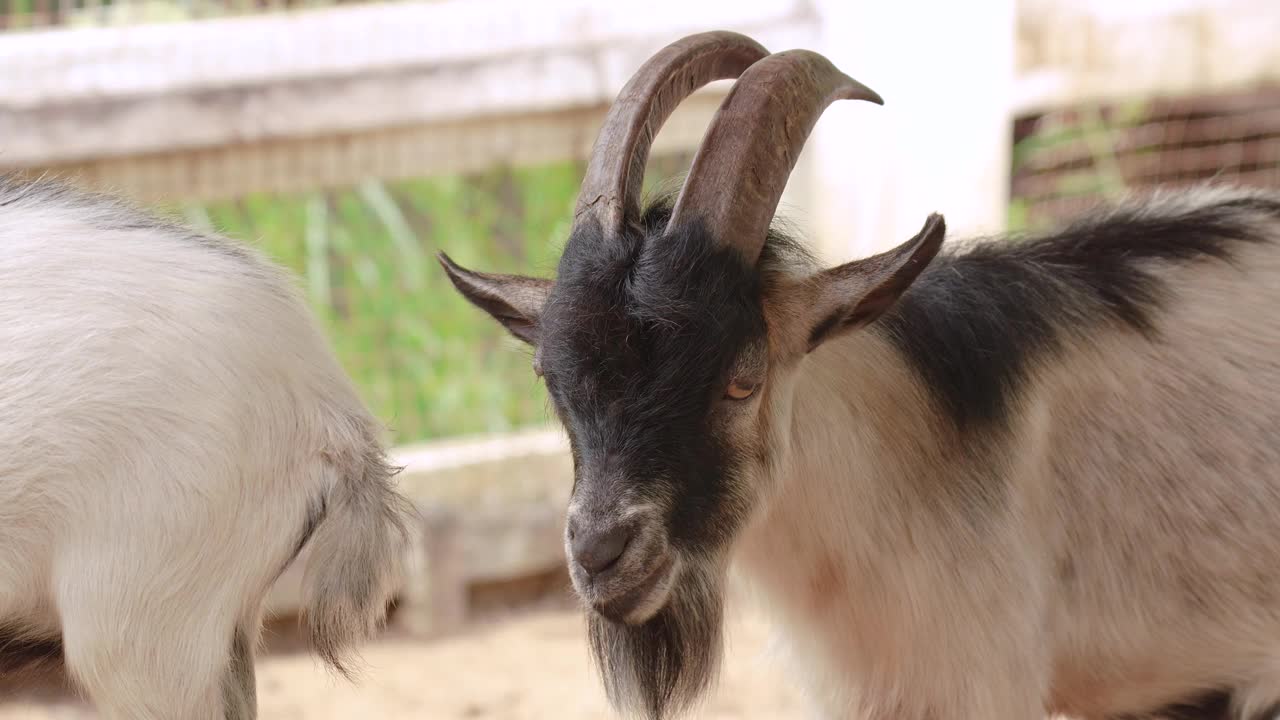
[[748, 152]]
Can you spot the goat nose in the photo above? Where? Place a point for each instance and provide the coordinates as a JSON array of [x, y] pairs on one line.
[[596, 549]]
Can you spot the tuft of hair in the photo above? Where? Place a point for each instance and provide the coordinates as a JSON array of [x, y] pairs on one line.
[[784, 252], [1209, 705], [359, 531], [23, 654], [660, 669]]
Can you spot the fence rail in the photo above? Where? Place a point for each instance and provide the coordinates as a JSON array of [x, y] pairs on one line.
[[337, 95]]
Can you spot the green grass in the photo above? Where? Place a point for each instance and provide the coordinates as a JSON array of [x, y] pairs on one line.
[[428, 363]]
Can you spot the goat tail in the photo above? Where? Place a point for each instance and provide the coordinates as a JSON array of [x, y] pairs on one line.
[[356, 551]]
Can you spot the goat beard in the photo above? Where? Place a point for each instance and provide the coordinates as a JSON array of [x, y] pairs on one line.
[[662, 667]]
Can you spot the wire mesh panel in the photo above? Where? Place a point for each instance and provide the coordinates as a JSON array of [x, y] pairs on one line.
[[1065, 161]]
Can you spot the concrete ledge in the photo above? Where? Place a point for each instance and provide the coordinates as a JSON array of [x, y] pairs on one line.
[[530, 466]]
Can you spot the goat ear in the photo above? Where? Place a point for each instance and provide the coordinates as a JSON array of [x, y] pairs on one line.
[[515, 301], [854, 294]]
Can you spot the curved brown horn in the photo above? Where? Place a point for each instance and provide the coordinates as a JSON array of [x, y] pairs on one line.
[[752, 145], [615, 172]]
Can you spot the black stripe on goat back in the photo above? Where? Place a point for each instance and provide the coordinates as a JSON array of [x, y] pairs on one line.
[[976, 320]]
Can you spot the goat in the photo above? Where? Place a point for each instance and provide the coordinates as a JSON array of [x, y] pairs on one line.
[[1011, 478], [174, 429]]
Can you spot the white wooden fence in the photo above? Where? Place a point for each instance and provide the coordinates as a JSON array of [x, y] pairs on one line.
[[281, 102]]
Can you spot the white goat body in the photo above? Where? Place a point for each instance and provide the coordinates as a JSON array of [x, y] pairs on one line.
[[173, 429]]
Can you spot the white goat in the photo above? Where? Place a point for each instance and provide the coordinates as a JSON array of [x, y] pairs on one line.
[[985, 483], [174, 428]]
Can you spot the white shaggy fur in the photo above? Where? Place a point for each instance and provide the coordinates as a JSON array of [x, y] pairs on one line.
[[172, 425]]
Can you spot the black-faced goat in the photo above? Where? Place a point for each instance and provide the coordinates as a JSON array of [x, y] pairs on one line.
[[1016, 477], [174, 428]]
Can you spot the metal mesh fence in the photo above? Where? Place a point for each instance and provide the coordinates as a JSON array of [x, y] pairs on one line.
[[1066, 160]]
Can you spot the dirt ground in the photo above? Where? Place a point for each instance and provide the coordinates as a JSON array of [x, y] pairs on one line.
[[532, 666]]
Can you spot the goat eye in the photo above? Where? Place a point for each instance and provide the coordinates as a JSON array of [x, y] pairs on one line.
[[740, 390]]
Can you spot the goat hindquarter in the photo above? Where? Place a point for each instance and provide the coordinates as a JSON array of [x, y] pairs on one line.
[[174, 427], [1165, 478]]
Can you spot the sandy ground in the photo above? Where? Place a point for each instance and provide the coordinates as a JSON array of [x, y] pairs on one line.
[[532, 666]]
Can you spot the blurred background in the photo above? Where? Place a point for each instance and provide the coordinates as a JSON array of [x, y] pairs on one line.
[[353, 139]]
